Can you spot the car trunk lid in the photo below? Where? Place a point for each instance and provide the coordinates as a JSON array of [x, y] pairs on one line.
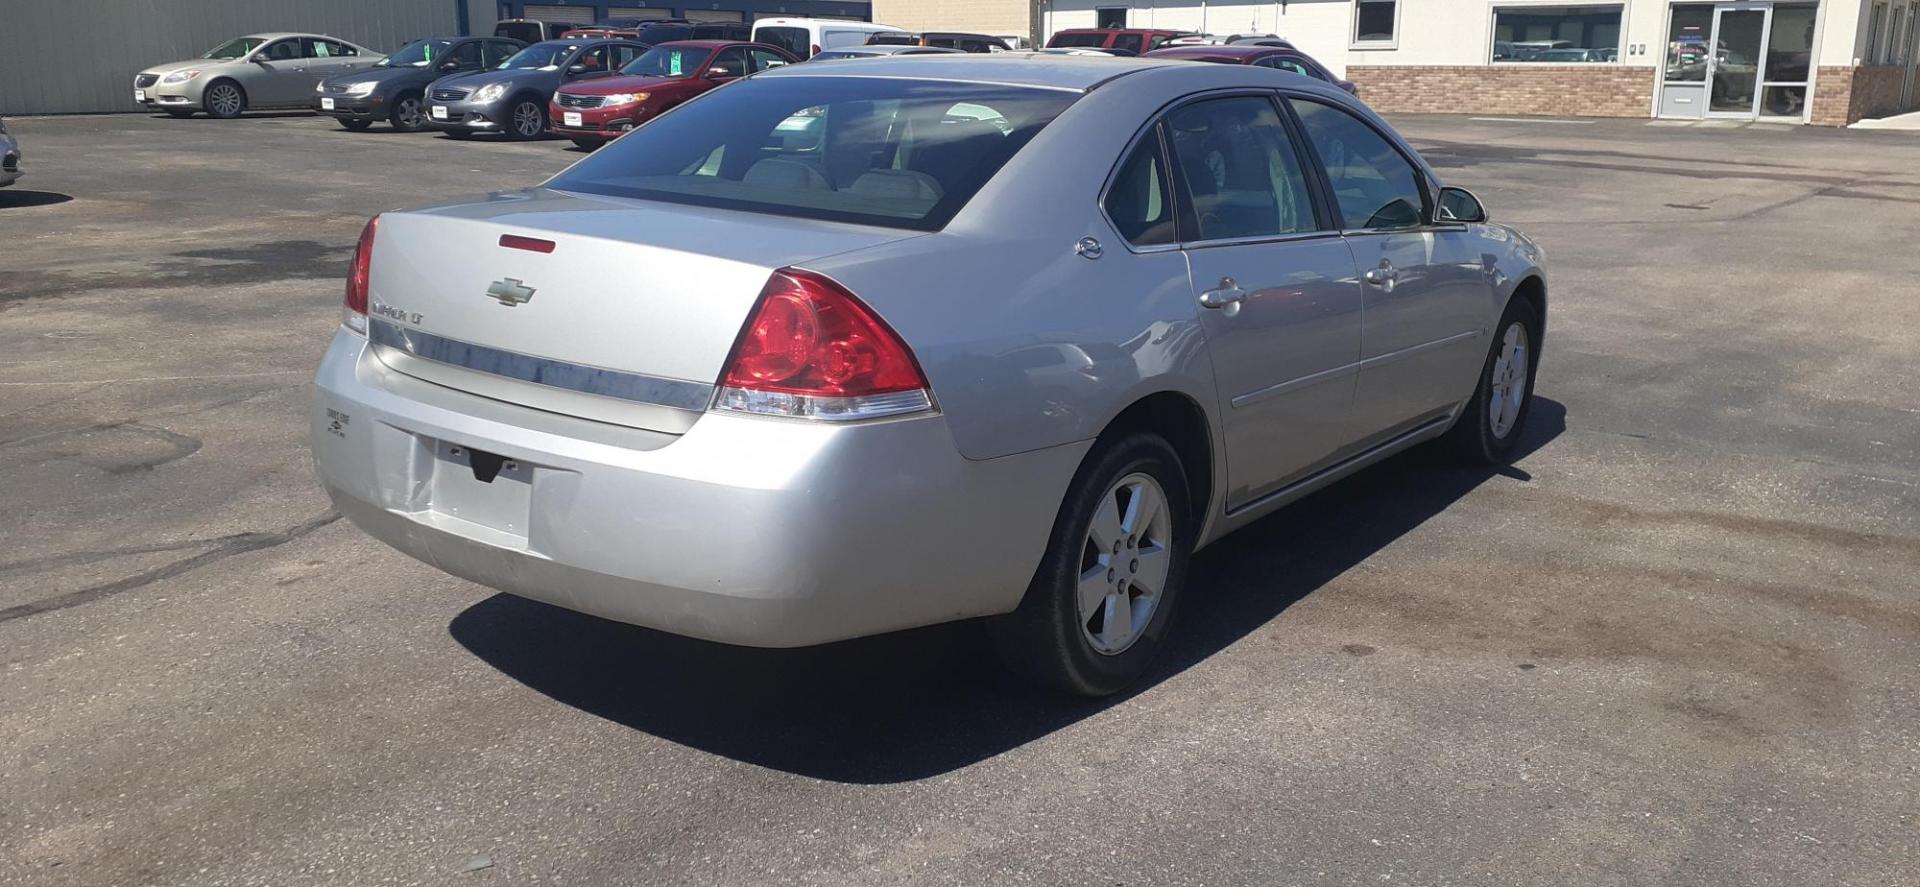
[[610, 309]]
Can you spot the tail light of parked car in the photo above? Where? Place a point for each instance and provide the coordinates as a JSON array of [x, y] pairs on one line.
[[357, 277], [813, 350]]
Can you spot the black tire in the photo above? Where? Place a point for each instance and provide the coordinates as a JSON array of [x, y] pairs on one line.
[[409, 113], [526, 120], [1474, 435], [356, 125], [1046, 639], [222, 104], [589, 144], [179, 113]]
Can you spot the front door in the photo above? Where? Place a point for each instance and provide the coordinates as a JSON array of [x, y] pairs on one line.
[[1279, 300], [1683, 90], [1425, 293], [281, 78], [1733, 69]]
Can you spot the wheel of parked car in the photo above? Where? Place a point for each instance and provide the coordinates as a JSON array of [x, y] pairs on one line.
[[1106, 589], [356, 125], [526, 120], [225, 99], [408, 114], [590, 144], [1489, 427]]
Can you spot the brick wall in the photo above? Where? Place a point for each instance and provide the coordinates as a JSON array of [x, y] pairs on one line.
[[1843, 95], [978, 16], [1532, 90]]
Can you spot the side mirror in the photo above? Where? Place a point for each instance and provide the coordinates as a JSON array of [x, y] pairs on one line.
[[448, 65], [719, 74], [576, 70], [1459, 205]]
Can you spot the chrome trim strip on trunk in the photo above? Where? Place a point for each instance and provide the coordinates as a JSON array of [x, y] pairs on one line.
[[635, 387]]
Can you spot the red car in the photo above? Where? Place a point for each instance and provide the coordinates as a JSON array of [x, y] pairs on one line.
[[595, 112], [1133, 41], [1284, 58]]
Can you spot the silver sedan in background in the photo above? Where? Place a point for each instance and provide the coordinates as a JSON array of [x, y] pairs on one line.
[[1002, 336], [258, 72]]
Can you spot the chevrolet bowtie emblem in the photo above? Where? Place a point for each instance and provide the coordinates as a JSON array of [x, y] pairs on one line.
[[510, 291]]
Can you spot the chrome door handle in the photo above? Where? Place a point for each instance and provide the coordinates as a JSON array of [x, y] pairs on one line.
[[1384, 275], [1229, 293]]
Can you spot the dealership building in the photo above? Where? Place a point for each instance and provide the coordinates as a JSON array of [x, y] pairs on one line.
[[1825, 62]]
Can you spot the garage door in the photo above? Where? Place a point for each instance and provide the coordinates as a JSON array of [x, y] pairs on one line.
[[715, 15], [577, 14], [624, 12]]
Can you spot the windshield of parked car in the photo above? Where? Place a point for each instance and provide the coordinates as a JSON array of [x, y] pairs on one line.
[[1094, 39], [416, 54], [897, 153], [539, 57], [238, 47], [667, 61]]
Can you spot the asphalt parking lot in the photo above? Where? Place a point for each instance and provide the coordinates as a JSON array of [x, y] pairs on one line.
[[1676, 644]]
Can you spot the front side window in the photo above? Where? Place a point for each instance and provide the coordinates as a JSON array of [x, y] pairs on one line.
[[1140, 200], [1373, 184], [1127, 42], [1242, 176], [731, 62], [467, 55], [281, 51], [1375, 21], [1556, 34], [234, 49], [895, 153], [593, 61]]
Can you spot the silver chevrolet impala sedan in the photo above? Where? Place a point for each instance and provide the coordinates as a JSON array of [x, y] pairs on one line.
[[845, 349]]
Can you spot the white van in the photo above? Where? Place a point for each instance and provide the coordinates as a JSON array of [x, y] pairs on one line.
[[805, 36]]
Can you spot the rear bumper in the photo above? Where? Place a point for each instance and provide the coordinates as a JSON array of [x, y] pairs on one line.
[[10, 170], [744, 530]]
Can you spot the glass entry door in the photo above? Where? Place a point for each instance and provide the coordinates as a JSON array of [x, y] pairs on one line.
[[1733, 69], [1683, 85]]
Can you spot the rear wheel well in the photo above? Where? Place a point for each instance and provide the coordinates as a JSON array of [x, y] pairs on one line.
[[1178, 419]]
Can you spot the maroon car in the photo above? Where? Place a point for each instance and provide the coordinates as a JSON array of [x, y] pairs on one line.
[[594, 112], [1131, 41], [1284, 58]]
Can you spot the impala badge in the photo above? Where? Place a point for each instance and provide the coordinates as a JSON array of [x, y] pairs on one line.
[[510, 291]]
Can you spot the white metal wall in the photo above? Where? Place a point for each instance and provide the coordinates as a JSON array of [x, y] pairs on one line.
[[67, 56]]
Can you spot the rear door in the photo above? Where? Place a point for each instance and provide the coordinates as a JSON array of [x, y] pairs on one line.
[[1279, 300], [1426, 288]]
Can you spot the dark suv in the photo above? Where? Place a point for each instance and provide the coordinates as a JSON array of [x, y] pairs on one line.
[[395, 88]]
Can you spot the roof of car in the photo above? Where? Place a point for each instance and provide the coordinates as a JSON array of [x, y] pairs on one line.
[[1236, 51], [701, 44], [1010, 68]]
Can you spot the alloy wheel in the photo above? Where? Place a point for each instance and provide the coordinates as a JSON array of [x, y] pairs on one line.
[[408, 113], [527, 120], [224, 99], [1124, 563], [1507, 384]]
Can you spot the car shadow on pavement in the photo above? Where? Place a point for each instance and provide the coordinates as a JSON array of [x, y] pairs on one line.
[[920, 703], [24, 199]]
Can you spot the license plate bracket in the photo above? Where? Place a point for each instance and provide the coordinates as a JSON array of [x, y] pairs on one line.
[[326, 104], [439, 112], [571, 118], [491, 490]]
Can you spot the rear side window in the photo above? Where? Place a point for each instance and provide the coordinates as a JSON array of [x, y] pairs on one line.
[[764, 60], [794, 40], [1128, 42], [1243, 177], [1140, 200], [897, 153], [1375, 186]]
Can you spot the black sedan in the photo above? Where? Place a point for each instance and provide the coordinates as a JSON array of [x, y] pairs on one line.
[[395, 88], [512, 98]]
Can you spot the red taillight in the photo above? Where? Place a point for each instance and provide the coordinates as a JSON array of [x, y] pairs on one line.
[[812, 349], [357, 277]]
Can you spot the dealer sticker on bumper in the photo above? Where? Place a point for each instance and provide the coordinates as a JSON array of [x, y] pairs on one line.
[[439, 112], [571, 118], [139, 95], [326, 104]]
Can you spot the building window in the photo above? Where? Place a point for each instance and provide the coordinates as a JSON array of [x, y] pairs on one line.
[[1110, 17], [1556, 34], [1875, 26], [1375, 23]]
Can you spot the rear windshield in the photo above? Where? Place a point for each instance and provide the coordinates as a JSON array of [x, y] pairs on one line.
[[898, 153], [1096, 40], [793, 40]]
